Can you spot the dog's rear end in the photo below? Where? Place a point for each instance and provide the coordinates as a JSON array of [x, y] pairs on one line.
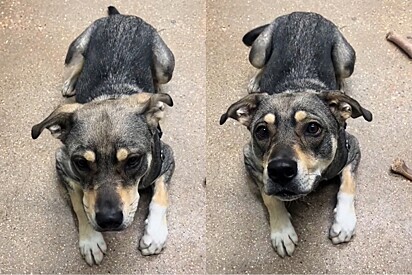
[[299, 51], [116, 55]]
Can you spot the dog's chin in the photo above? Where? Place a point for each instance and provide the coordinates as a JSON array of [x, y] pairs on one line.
[[286, 194]]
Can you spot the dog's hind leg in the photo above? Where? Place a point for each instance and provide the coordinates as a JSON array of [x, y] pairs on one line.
[[155, 234], [282, 233], [260, 52], [91, 243], [343, 57], [254, 83], [74, 61], [163, 62]]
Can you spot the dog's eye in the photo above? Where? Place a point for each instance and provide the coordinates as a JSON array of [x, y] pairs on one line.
[[313, 129], [262, 132], [81, 164], [133, 162]]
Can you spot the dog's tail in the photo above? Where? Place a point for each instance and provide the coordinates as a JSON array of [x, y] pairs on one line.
[[112, 11], [251, 36]]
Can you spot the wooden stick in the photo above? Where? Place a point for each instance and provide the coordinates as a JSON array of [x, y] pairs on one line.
[[401, 42], [399, 167]]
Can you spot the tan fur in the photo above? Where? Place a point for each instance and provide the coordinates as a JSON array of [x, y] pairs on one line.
[[68, 108], [128, 195], [348, 184], [122, 154], [277, 210], [139, 98], [300, 116], [76, 197], [312, 164], [89, 201], [269, 118], [72, 71], [89, 156], [308, 161], [345, 110], [160, 195]]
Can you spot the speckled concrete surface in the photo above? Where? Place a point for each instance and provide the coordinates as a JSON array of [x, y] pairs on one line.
[[237, 227], [38, 231]]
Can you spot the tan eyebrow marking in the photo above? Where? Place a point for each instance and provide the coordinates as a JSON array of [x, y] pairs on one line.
[[269, 118], [300, 116], [122, 154], [89, 156]]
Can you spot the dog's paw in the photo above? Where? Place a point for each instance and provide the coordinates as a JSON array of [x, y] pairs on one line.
[[68, 89], [92, 247], [155, 235], [154, 239], [343, 227], [284, 239]]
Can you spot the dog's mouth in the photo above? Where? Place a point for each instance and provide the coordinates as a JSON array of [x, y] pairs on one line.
[[288, 195], [120, 228]]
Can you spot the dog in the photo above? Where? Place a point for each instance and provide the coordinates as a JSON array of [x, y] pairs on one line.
[[111, 135], [297, 116]]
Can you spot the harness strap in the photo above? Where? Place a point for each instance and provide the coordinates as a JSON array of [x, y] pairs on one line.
[[156, 163]]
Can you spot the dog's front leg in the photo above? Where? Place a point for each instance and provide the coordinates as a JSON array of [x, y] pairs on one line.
[[343, 227], [283, 235], [91, 243], [155, 234]]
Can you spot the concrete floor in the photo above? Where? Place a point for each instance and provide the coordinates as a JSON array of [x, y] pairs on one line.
[[237, 226], [38, 231], [226, 226]]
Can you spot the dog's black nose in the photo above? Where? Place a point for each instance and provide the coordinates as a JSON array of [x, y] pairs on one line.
[[109, 218], [282, 171]]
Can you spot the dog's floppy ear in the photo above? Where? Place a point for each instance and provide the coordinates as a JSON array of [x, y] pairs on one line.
[[151, 105], [244, 109], [251, 36], [344, 106], [59, 122]]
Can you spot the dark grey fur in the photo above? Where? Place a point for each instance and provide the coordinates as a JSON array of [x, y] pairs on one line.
[[108, 67], [302, 55], [297, 120]]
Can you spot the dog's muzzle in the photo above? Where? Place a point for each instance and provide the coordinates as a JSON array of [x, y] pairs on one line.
[[281, 172]]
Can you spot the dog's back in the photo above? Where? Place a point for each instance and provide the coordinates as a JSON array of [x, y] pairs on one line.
[[303, 51], [118, 58]]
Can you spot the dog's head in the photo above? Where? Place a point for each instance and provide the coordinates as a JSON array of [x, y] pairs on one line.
[[108, 147], [295, 136]]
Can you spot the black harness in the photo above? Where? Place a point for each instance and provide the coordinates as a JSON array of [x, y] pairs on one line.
[[157, 160], [339, 162]]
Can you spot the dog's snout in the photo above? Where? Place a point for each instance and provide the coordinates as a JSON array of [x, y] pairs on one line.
[[282, 171], [109, 219]]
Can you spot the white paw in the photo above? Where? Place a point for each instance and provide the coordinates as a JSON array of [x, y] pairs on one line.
[[343, 227], [284, 239], [154, 239], [92, 247], [155, 235]]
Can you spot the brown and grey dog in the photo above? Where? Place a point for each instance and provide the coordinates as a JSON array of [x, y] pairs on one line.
[[111, 135], [297, 119]]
